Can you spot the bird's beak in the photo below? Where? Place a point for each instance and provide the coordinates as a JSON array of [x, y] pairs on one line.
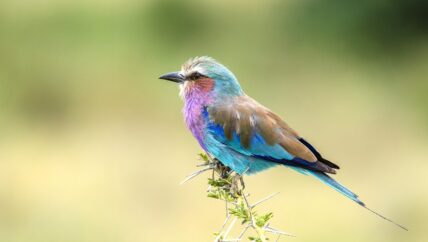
[[173, 76]]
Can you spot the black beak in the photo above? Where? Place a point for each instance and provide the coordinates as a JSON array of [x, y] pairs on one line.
[[173, 76]]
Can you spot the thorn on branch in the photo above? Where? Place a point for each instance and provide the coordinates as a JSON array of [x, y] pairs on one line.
[[264, 199]]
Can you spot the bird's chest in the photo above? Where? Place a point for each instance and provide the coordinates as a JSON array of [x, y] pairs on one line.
[[195, 115]]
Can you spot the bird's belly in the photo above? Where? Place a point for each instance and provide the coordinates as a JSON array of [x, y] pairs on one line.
[[238, 162]]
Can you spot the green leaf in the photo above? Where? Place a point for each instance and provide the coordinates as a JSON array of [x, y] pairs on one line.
[[204, 157], [213, 194], [241, 212], [255, 239], [220, 182], [263, 219]]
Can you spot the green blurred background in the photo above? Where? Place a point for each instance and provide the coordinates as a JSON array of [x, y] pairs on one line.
[[93, 145]]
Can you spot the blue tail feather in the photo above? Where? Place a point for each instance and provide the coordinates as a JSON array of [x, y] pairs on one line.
[[343, 190], [336, 185], [331, 182]]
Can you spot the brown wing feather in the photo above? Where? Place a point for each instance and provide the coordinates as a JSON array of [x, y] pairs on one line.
[[246, 116], [289, 140]]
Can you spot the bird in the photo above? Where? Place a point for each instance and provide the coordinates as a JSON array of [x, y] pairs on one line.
[[243, 134]]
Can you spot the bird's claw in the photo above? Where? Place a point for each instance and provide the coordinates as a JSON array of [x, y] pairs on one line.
[[237, 185]]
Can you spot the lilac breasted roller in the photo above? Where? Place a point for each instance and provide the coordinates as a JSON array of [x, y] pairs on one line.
[[240, 132]]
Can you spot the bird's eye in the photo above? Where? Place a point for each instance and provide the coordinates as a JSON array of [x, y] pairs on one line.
[[195, 76]]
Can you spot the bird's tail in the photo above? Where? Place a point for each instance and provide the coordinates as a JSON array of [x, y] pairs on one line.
[[343, 190]]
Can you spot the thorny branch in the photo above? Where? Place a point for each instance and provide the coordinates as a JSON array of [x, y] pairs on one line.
[[228, 186]]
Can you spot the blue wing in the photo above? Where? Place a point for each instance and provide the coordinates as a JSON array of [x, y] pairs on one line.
[[255, 157], [232, 154]]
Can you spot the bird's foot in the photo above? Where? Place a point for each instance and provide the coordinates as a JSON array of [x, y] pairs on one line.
[[237, 185]]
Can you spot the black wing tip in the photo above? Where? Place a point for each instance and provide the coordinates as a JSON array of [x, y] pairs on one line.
[[329, 163], [318, 155]]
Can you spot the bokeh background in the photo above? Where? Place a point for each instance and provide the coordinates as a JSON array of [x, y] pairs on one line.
[[93, 145]]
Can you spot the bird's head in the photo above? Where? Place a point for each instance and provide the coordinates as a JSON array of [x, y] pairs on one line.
[[202, 75]]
